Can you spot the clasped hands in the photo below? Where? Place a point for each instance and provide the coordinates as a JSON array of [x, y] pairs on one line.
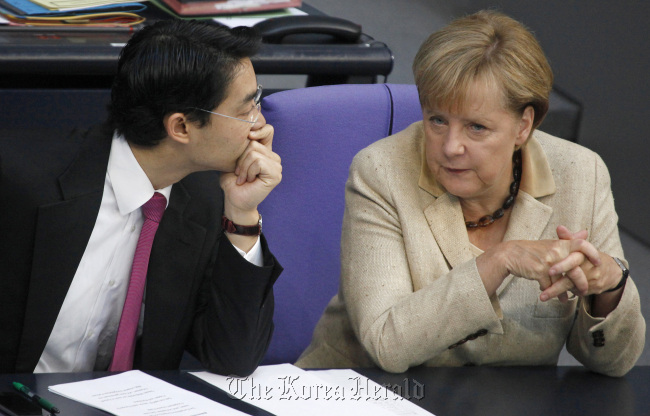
[[569, 264]]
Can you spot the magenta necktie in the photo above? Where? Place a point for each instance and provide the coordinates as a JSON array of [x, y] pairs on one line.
[[126, 333]]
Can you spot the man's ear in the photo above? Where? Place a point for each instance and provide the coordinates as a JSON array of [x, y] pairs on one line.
[[525, 125], [177, 127]]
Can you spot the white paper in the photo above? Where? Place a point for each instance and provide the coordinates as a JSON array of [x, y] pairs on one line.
[[385, 396], [286, 390], [252, 19], [243, 4], [134, 393]]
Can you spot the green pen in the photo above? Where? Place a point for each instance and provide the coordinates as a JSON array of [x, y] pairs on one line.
[[36, 399]]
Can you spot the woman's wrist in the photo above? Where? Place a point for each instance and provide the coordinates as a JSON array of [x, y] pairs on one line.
[[605, 302], [623, 277], [492, 267]]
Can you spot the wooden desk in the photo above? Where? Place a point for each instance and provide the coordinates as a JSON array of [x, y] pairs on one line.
[[467, 391]]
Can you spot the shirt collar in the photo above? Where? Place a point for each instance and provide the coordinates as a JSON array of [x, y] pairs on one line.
[[130, 183], [536, 179]]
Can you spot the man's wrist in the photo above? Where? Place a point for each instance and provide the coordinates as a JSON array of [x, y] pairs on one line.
[[239, 216], [245, 241], [231, 227]]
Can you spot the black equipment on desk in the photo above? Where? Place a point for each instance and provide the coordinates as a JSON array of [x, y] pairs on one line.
[[309, 29], [337, 41], [327, 49]]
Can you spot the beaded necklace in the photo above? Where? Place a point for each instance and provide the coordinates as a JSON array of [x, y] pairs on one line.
[[486, 220]]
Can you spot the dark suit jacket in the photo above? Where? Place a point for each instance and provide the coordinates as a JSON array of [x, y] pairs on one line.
[[201, 294]]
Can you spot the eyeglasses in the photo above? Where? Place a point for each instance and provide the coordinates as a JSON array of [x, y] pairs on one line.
[[254, 113]]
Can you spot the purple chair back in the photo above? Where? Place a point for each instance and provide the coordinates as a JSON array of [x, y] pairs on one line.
[[318, 131], [406, 105]]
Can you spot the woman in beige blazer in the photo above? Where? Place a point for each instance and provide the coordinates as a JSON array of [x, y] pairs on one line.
[[470, 238]]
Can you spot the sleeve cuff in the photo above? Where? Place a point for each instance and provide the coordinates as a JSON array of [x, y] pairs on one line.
[[254, 255]]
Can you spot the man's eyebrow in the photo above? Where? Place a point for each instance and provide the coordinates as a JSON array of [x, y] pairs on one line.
[[249, 97]]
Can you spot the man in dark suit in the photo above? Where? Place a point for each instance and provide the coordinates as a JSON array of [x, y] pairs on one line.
[[184, 107]]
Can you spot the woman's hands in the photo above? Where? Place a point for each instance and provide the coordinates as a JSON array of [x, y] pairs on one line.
[[570, 263], [600, 278], [544, 259]]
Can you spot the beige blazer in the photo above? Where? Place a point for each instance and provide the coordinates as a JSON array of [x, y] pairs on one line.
[[410, 292]]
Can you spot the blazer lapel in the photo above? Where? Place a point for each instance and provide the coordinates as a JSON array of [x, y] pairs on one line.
[[62, 233], [528, 221], [446, 221]]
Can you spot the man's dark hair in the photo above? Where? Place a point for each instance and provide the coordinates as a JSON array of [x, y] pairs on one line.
[[171, 66]]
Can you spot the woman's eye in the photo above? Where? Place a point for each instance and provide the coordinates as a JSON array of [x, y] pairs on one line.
[[476, 127], [437, 120]]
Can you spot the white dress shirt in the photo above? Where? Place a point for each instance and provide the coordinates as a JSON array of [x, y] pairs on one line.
[[84, 334]]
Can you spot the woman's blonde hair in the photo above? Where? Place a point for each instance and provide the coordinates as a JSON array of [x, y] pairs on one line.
[[486, 46]]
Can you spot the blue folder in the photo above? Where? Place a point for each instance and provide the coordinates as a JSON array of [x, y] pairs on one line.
[[27, 8]]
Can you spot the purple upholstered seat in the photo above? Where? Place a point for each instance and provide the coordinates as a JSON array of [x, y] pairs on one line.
[[318, 131]]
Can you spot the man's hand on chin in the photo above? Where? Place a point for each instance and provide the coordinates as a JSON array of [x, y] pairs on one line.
[[257, 172]]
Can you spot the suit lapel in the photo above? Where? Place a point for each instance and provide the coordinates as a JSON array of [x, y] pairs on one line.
[[175, 254], [62, 233]]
